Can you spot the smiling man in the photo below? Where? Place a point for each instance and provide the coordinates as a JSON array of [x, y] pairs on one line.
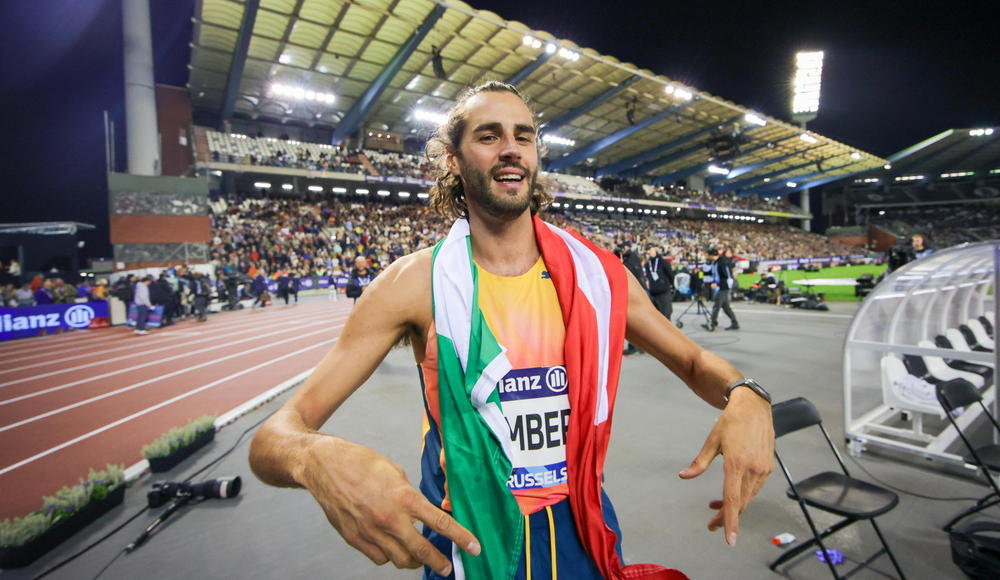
[[517, 327]]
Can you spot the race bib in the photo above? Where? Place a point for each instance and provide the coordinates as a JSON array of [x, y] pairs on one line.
[[536, 406]]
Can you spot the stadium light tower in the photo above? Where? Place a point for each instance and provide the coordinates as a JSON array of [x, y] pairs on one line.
[[805, 102]]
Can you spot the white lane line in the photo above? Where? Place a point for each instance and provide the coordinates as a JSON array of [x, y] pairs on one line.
[[147, 364], [137, 414], [156, 362], [155, 379], [62, 349], [139, 351]]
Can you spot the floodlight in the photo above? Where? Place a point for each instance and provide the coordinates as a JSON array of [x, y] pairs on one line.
[[590, 207], [855, 155], [384, 192], [404, 194], [550, 48], [754, 119], [808, 138], [806, 83], [556, 204], [339, 190], [423, 195], [792, 184], [361, 191], [557, 140], [285, 58], [429, 116], [717, 170], [887, 166], [262, 184], [217, 173], [286, 186]]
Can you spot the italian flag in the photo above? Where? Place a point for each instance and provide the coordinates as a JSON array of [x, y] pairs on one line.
[[593, 293]]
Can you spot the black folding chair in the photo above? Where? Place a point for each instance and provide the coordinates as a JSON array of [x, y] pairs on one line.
[[960, 393], [837, 493]]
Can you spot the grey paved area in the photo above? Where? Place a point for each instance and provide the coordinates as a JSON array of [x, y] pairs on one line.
[[659, 428]]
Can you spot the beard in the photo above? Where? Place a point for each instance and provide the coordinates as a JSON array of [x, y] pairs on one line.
[[478, 188]]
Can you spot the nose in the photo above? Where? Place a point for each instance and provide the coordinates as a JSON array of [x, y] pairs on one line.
[[509, 150]]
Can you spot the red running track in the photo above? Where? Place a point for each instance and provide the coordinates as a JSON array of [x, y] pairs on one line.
[[83, 399]]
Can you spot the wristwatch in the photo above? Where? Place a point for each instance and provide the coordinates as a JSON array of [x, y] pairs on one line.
[[749, 383]]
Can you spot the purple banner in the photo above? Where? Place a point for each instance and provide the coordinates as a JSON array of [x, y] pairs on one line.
[[26, 321]]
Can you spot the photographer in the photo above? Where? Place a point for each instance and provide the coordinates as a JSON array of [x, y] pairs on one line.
[[659, 276]]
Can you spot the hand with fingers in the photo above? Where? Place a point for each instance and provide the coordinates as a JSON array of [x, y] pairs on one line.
[[368, 499], [744, 436]]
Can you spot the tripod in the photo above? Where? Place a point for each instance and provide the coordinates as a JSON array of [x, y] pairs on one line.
[[698, 303]]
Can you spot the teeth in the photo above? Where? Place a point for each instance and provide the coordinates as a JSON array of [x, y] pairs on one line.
[[508, 178]]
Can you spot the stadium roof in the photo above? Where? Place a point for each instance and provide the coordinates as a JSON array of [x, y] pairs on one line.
[[952, 151], [378, 58], [954, 166]]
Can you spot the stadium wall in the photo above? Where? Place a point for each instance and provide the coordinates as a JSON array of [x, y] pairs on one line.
[[173, 117], [158, 221]]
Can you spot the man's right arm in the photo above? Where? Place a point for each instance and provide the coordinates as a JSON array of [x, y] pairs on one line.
[[365, 496]]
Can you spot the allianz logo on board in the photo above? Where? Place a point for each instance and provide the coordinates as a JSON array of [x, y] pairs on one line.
[[76, 316]]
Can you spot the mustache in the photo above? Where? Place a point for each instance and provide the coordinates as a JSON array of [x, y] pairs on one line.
[[508, 165]]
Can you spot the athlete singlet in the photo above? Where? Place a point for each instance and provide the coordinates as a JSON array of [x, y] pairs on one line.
[[523, 313]]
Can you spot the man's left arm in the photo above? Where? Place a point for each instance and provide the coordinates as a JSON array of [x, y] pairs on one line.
[[743, 435]]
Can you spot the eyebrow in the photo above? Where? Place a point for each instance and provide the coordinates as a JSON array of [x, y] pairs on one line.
[[495, 126]]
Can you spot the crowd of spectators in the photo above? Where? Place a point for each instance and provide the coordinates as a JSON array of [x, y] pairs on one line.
[[324, 236], [236, 148], [687, 240], [146, 203], [41, 290], [282, 152], [399, 164], [318, 237], [681, 194], [945, 225]]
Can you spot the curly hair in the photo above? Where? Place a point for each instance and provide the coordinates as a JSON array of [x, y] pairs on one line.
[[447, 196]]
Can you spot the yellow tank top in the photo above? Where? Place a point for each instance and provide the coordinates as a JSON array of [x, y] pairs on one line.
[[524, 315]]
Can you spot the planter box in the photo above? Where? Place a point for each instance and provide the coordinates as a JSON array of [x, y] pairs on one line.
[[161, 464], [19, 556]]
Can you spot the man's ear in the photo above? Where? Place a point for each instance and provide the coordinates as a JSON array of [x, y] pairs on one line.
[[451, 161]]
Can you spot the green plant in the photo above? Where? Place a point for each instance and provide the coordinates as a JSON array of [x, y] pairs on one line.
[[60, 505], [178, 437]]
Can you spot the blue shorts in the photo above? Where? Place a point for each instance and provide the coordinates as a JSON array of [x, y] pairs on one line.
[[542, 537]]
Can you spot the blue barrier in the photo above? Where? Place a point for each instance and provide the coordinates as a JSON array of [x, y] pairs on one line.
[[26, 321]]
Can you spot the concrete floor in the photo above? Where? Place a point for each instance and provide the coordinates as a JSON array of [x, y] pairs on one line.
[[659, 428]]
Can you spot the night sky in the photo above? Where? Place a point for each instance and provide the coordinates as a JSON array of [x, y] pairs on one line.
[[894, 74]]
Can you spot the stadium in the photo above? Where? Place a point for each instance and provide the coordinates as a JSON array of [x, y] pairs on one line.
[[178, 256]]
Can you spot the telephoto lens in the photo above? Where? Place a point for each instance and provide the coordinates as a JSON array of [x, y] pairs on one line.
[[222, 488]]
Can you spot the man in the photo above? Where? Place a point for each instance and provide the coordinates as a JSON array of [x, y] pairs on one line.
[[920, 248], [457, 304], [660, 279], [634, 265], [361, 276], [143, 304], [723, 282], [262, 296], [201, 287]]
